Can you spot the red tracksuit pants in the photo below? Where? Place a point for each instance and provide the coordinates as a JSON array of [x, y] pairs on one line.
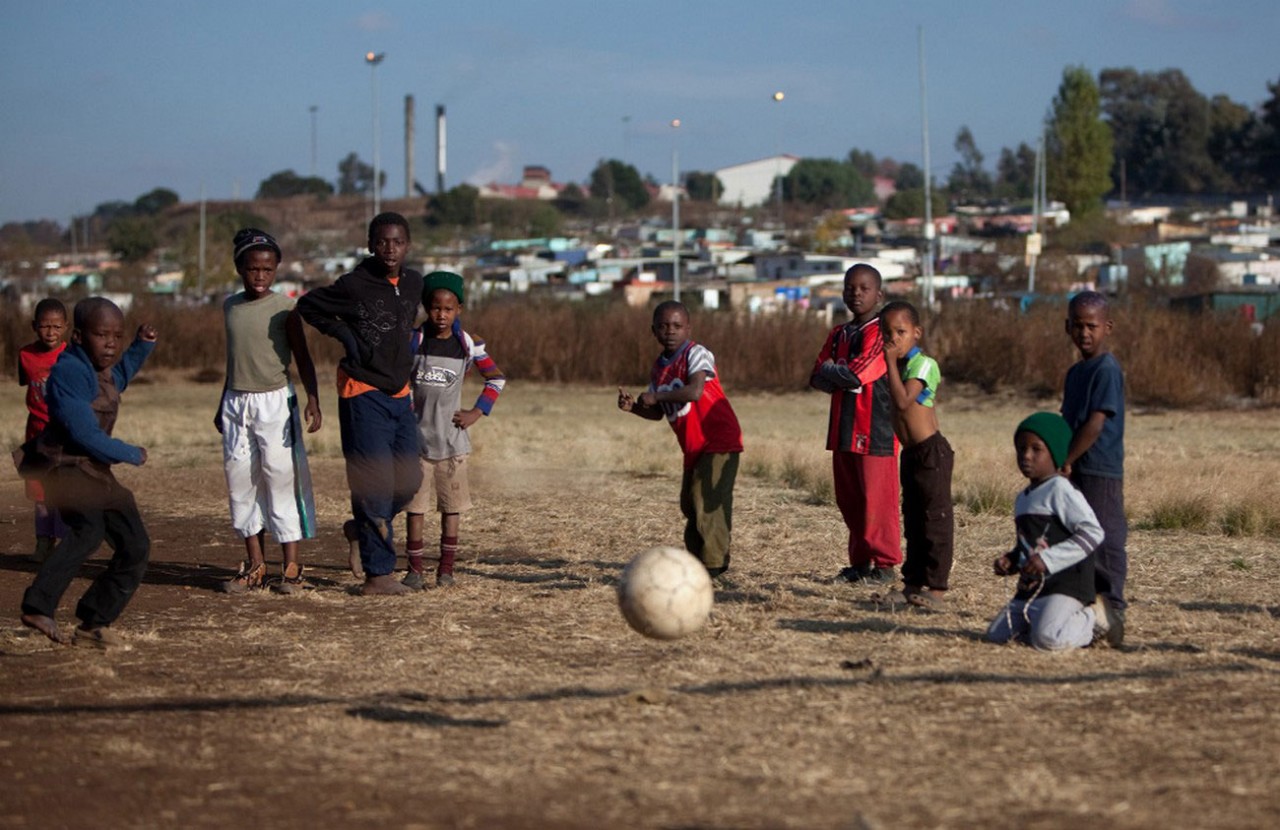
[[867, 494]]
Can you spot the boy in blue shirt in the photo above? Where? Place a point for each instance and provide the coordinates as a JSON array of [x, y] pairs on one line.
[[74, 456], [1093, 406]]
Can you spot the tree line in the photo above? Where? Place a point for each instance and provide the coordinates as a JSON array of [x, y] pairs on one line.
[[1123, 133]]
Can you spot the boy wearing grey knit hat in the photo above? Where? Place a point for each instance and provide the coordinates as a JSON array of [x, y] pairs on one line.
[[1057, 533]]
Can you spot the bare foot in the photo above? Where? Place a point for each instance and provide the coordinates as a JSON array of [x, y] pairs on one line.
[[45, 625], [353, 543], [385, 585]]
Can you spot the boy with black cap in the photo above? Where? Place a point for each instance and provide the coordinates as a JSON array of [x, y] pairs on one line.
[[1057, 535], [268, 480], [443, 354], [371, 312]]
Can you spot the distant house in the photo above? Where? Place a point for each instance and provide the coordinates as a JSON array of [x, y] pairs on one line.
[[1226, 267], [1253, 305], [535, 183], [751, 183]]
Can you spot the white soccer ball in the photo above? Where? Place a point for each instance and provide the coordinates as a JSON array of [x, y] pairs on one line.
[[665, 593]]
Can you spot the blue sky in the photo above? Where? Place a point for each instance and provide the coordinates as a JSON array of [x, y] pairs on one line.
[[107, 100]]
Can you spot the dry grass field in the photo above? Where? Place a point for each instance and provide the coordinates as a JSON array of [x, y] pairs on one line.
[[519, 698]]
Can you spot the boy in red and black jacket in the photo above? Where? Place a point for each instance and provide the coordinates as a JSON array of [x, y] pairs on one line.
[[860, 435]]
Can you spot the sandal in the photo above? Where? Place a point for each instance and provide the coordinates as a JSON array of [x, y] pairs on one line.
[[290, 579], [249, 578], [896, 598], [928, 600]]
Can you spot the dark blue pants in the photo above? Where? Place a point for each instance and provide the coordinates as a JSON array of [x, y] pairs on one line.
[[1111, 562], [380, 445], [95, 509]]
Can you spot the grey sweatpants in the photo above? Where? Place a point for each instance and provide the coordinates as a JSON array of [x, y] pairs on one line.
[[1050, 623]]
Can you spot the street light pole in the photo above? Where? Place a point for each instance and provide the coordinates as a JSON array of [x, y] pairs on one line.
[[777, 170], [675, 211], [313, 109], [373, 59], [927, 228]]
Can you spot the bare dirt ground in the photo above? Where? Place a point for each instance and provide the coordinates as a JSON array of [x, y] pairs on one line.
[[519, 698]]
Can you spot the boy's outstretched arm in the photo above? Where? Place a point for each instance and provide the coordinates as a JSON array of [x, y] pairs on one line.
[[134, 356], [1084, 438], [627, 403], [306, 368]]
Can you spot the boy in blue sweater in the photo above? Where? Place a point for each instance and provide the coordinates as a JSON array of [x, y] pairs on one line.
[[74, 455]]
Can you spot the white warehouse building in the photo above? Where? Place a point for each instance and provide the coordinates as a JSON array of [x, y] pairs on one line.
[[751, 183]]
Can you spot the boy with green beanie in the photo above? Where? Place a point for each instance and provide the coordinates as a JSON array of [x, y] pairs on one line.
[[442, 355], [1053, 608]]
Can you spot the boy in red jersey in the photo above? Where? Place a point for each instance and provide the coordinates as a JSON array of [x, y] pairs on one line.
[[685, 388], [851, 368], [35, 361]]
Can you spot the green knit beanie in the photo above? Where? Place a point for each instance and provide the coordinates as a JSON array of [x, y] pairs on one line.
[[442, 279], [1053, 430]]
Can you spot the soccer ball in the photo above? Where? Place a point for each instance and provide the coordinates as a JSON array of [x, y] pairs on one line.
[[665, 593]]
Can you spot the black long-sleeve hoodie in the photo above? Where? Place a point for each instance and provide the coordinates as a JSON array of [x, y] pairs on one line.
[[372, 319]]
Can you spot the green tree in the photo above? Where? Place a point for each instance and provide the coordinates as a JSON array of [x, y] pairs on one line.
[[910, 177], [1160, 124], [544, 220], [619, 182], [149, 204], [827, 183], [1078, 144], [1266, 144], [703, 187], [108, 212], [864, 161], [132, 238], [456, 206], [354, 176], [1016, 172], [1233, 130], [968, 180], [287, 183], [909, 204], [571, 201]]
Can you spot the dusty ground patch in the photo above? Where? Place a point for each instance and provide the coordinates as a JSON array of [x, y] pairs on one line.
[[520, 698]]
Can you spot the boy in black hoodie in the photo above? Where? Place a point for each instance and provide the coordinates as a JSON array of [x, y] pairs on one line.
[[371, 312]]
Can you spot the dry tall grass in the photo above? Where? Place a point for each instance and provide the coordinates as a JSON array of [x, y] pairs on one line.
[[1206, 471], [1171, 359]]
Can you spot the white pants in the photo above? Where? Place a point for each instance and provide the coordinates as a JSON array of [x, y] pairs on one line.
[[268, 481], [1049, 623]]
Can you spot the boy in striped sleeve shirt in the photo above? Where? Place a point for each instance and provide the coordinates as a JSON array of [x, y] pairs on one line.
[[443, 354]]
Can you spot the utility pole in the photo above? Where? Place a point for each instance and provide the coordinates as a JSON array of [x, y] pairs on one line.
[[373, 59], [675, 212], [927, 260], [312, 109]]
